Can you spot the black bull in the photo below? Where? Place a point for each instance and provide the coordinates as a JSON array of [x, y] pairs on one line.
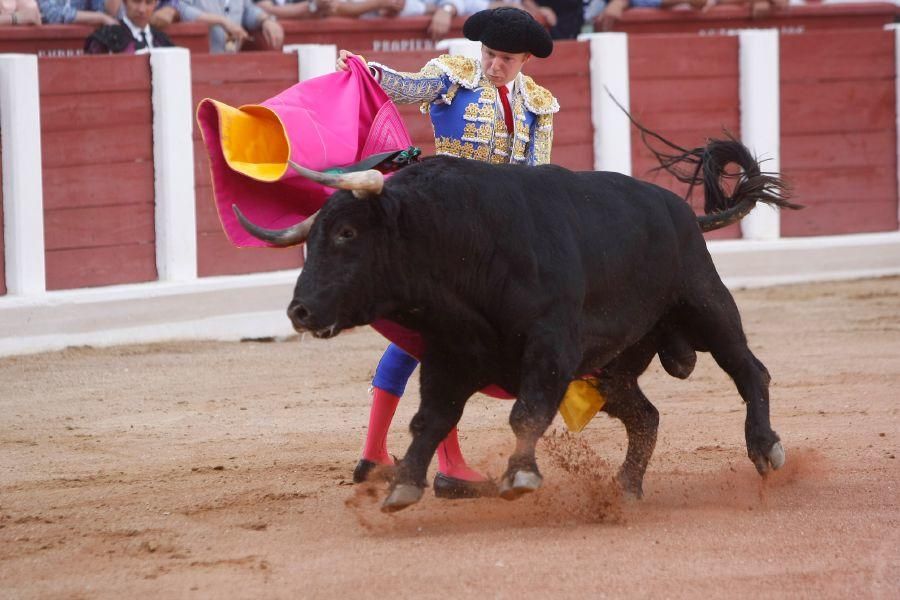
[[529, 277]]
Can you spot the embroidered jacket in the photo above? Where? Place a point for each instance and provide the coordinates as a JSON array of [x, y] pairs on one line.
[[464, 111]]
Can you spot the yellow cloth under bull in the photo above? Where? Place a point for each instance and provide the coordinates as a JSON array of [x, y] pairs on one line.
[[582, 401]]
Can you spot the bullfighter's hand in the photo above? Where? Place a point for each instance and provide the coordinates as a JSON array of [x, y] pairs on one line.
[[343, 56]]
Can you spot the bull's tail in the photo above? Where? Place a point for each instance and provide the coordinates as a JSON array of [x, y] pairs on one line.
[[706, 165]]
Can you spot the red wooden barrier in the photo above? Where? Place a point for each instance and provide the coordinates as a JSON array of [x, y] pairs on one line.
[[97, 152], [68, 40], [234, 79], [727, 20], [685, 88], [838, 132], [365, 35]]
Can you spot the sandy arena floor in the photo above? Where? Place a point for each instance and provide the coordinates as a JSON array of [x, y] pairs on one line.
[[221, 470]]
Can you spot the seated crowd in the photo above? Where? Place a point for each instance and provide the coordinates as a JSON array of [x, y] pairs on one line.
[[137, 25]]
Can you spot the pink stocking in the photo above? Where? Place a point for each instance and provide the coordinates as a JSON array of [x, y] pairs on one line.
[[384, 404], [451, 461]]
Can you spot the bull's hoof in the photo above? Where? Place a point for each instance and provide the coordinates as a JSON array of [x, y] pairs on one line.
[[773, 459], [403, 495], [631, 489], [519, 484], [453, 489], [776, 456]]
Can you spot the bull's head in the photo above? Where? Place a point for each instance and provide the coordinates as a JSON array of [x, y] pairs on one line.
[[338, 286]]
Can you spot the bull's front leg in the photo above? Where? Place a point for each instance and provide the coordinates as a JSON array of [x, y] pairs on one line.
[[547, 368], [445, 388]]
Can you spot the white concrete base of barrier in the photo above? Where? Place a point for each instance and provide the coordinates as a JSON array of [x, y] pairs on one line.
[[761, 263], [214, 308], [253, 306]]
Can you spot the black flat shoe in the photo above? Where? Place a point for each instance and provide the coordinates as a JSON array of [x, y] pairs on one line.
[[365, 467], [453, 488], [363, 470]]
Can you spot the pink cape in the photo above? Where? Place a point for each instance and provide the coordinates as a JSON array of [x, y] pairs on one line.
[[329, 121], [333, 120]]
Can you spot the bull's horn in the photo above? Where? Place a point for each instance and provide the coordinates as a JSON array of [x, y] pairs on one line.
[[362, 183], [291, 236]]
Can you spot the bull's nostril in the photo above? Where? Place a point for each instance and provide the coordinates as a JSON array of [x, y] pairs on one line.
[[298, 312]]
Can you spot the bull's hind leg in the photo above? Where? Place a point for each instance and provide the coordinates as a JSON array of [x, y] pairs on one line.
[[715, 318], [546, 371], [626, 402], [444, 392]]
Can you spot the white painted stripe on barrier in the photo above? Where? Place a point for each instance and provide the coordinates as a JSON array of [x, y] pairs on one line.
[[761, 119], [609, 75], [313, 60], [152, 290], [23, 192], [760, 263], [221, 308], [231, 327], [173, 164]]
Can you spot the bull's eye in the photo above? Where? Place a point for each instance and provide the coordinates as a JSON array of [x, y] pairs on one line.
[[346, 233]]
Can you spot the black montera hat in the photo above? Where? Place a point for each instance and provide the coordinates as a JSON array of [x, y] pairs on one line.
[[509, 29]]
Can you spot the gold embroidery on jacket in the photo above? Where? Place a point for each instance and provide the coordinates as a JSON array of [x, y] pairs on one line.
[[537, 99], [461, 70], [410, 88], [543, 139]]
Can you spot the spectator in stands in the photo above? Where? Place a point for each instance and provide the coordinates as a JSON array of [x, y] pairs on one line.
[[166, 13], [564, 18], [443, 11], [19, 12], [614, 9], [382, 8], [132, 35], [169, 11], [298, 9], [242, 17], [88, 12]]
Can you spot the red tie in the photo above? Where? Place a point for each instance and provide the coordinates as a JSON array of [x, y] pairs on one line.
[[507, 111]]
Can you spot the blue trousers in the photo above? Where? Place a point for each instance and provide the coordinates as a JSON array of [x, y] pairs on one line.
[[394, 370]]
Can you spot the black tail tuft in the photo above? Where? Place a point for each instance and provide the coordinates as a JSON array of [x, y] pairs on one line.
[[706, 165]]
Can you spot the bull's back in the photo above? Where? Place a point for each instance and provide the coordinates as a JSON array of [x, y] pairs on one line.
[[606, 244], [602, 242]]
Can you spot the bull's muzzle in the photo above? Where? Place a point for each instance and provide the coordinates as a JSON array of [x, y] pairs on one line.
[[303, 320]]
